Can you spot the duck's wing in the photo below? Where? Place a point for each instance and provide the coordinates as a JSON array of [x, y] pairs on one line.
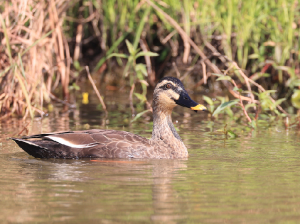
[[94, 143]]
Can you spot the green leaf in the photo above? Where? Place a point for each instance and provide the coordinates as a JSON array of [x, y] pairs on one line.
[[253, 124], [250, 105], [139, 75], [216, 74], [296, 99], [240, 90], [140, 97], [278, 102], [225, 105], [231, 134], [117, 55], [130, 47], [74, 86], [142, 68], [146, 53], [229, 112], [224, 77], [139, 115], [77, 65], [208, 100], [253, 56], [111, 49], [270, 91], [265, 75], [141, 27], [126, 69], [236, 88], [144, 83]]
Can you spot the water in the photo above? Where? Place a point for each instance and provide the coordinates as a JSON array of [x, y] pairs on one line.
[[254, 178]]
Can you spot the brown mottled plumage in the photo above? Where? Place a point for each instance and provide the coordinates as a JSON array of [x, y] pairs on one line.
[[164, 144]]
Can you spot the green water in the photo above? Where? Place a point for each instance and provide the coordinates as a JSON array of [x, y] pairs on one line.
[[254, 178]]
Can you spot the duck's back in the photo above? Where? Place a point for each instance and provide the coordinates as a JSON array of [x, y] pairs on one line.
[[95, 143]]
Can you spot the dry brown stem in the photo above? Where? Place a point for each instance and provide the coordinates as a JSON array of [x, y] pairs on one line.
[[27, 55], [201, 82], [168, 37], [176, 69], [95, 89], [150, 71], [204, 72], [241, 103]]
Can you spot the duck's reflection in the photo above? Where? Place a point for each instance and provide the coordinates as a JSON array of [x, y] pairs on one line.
[[165, 206], [104, 188]]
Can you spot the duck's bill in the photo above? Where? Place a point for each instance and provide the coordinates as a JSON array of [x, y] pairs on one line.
[[185, 101], [199, 107]]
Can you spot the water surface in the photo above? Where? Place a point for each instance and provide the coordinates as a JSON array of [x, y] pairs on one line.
[[254, 178]]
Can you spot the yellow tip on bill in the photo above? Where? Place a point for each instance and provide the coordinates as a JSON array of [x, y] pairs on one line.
[[199, 107]]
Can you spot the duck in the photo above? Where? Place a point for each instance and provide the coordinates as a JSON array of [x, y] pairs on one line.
[[165, 142]]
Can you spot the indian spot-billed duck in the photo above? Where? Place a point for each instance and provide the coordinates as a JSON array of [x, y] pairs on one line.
[[165, 142]]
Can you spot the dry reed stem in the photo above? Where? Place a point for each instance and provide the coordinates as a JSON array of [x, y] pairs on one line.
[[78, 39], [241, 103], [246, 80], [26, 27], [168, 37], [204, 72], [78, 42], [95, 89], [176, 69], [187, 47], [188, 71], [201, 82], [24, 128], [151, 73]]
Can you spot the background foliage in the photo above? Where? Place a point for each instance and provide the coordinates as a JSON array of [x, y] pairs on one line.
[[47, 43]]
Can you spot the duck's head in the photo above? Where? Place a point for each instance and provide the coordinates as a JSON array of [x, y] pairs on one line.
[[169, 92]]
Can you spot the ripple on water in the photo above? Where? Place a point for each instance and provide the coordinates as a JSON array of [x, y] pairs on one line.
[[254, 178]]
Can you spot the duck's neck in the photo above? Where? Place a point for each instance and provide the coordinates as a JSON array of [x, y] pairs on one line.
[[163, 128]]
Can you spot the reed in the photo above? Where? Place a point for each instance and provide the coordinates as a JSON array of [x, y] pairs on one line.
[[33, 55]]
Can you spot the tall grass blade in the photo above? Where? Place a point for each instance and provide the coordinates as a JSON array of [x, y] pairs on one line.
[[6, 39], [140, 28], [25, 94], [22, 67], [111, 49], [36, 42]]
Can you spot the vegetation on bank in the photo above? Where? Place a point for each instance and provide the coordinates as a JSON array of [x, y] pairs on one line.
[[248, 47]]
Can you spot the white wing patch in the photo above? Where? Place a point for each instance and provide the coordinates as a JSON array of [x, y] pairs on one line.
[[28, 142], [70, 144]]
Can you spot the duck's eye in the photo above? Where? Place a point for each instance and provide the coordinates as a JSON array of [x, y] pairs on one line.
[[168, 86]]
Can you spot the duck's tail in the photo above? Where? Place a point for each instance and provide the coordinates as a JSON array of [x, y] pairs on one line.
[[33, 149]]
